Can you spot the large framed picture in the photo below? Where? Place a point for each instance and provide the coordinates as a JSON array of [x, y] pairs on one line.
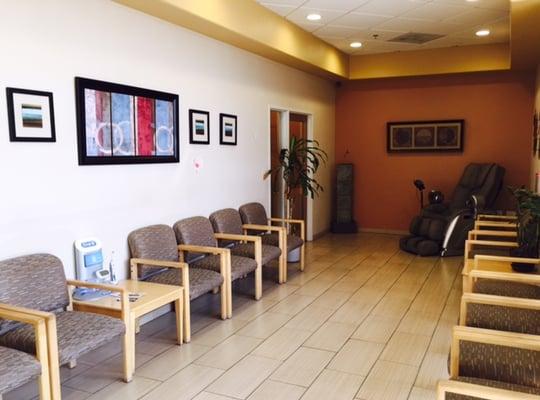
[[120, 124], [425, 136], [199, 127], [227, 129], [30, 115]]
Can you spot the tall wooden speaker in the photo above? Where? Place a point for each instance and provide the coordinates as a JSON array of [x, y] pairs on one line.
[[343, 213]]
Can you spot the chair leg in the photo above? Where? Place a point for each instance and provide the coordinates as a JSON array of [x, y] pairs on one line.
[[187, 318], [224, 300], [137, 326], [178, 311], [302, 257], [72, 364], [258, 273], [215, 290], [128, 344], [54, 365]]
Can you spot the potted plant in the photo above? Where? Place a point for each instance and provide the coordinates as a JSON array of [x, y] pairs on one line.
[[297, 165], [528, 210]]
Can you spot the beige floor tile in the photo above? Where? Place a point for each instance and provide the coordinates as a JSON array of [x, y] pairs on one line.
[[185, 384], [103, 353], [229, 352], [293, 304], [244, 377], [153, 347], [95, 378], [211, 396], [303, 366], [253, 309], [68, 373], [169, 363], [334, 385], [218, 331], [310, 319], [72, 394], [330, 336], [434, 368], [351, 313], [388, 381], [376, 328], [265, 325], [406, 348], [356, 357], [392, 306], [271, 390], [422, 394], [279, 292], [442, 338], [135, 389], [332, 299], [282, 344], [315, 287], [418, 324]]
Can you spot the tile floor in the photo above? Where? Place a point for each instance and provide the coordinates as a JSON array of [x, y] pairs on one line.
[[364, 321]]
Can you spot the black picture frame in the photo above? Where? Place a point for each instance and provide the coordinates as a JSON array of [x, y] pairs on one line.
[[193, 139], [14, 134], [228, 138], [441, 136], [136, 93]]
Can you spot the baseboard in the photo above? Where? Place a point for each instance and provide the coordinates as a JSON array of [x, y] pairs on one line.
[[321, 234], [384, 231]]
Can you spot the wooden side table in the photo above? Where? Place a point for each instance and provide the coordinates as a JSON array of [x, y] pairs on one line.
[[154, 296]]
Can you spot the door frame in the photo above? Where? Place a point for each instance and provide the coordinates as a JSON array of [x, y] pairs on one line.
[[284, 119]]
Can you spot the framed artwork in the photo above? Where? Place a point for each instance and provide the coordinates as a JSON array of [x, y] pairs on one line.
[[227, 129], [199, 127], [425, 136], [30, 115], [119, 124]]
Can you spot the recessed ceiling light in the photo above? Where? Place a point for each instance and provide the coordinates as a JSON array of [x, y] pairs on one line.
[[356, 45], [314, 17], [483, 32], [472, 1]]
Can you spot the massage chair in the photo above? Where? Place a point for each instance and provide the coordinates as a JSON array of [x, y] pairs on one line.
[[441, 229]]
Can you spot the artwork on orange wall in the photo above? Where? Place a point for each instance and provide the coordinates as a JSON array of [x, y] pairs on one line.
[[425, 136]]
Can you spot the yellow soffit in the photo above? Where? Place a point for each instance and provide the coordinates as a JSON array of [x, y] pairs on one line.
[[448, 60], [525, 33], [250, 26]]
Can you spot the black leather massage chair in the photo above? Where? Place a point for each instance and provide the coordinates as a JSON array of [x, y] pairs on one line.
[[442, 228]]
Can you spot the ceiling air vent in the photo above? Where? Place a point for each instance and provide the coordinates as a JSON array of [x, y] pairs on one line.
[[415, 38]]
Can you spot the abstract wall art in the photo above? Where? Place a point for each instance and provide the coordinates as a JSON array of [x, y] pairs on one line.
[[119, 124], [227, 129], [199, 127], [425, 136], [30, 115]]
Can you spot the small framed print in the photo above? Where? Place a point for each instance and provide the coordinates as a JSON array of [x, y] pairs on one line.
[[199, 127], [425, 136], [227, 129], [30, 115]]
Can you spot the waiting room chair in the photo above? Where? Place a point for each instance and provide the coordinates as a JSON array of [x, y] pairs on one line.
[[18, 368], [492, 365], [226, 223], [197, 242], [156, 258], [38, 284], [254, 218]]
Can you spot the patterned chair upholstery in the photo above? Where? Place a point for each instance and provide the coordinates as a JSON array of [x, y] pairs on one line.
[[38, 282], [228, 220], [198, 231], [16, 369]]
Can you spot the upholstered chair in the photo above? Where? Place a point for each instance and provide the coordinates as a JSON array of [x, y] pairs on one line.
[[37, 284], [198, 244], [156, 258], [254, 218], [17, 367], [229, 222], [487, 364]]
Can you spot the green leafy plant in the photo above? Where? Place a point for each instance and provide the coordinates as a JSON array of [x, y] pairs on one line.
[[528, 210], [297, 165]]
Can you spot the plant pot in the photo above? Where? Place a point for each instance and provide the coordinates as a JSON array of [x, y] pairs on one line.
[[523, 253], [294, 255]]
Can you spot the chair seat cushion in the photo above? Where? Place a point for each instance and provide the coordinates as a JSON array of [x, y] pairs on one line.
[[240, 266], [201, 281], [293, 241], [503, 288], [78, 333], [499, 318], [16, 369], [490, 383], [269, 253]]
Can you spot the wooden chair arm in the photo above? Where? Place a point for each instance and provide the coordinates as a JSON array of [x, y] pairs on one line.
[[231, 236], [492, 243], [93, 285], [202, 249], [493, 300], [254, 227], [158, 263], [505, 276], [23, 314], [479, 391], [488, 336], [486, 257], [496, 217], [288, 220], [475, 233], [498, 224]]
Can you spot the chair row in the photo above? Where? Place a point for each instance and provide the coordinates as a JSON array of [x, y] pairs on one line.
[[495, 350]]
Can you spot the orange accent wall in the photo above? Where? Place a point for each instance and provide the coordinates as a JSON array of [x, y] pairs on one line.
[[497, 108]]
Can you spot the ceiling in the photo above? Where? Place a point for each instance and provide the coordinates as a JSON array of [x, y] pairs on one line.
[[375, 22]]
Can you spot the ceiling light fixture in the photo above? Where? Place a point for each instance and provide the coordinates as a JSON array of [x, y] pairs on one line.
[[314, 17], [356, 45], [483, 32]]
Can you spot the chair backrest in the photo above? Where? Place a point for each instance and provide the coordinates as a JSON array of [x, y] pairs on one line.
[[253, 213], [478, 179], [227, 220], [35, 281], [195, 231], [156, 242]]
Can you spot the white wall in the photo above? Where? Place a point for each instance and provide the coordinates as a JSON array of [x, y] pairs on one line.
[[47, 200]]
